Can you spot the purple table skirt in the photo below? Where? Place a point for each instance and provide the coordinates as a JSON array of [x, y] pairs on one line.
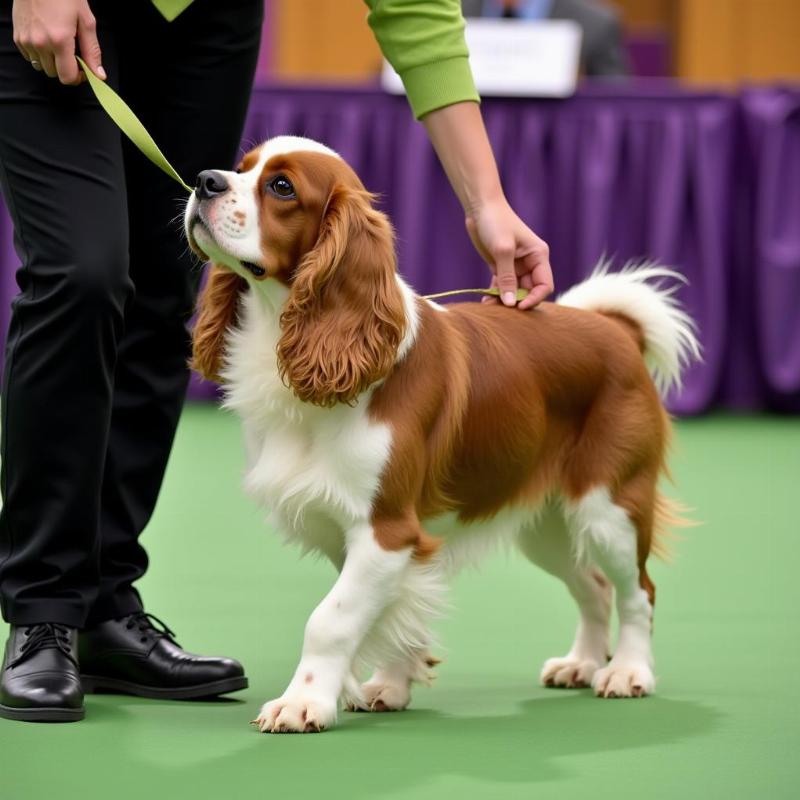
[[706, 182]]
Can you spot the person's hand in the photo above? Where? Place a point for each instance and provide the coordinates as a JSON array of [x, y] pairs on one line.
[[45, 32], [516, 255]]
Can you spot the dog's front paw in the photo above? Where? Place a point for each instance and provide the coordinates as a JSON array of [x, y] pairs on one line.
[[568, 673], [624, 679], [296, 714]]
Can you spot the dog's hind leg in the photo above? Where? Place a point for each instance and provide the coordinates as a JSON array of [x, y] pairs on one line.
[[389, 688], [399, 643], [549, 545], [618, 540]]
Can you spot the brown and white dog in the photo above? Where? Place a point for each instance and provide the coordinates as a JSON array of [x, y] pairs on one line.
[[400, 438]]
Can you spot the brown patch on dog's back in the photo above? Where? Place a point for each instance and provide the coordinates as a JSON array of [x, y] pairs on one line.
[[567, 424]]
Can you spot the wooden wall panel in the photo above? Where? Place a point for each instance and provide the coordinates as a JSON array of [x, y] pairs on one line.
[[773, 39], [738, 40], [647, 13], [323, 40], [705, 37]]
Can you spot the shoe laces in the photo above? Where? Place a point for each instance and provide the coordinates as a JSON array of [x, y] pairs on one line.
[[149, 625], [44, 636]]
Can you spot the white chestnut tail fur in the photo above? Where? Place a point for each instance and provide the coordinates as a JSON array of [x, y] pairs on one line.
[[645, 294]]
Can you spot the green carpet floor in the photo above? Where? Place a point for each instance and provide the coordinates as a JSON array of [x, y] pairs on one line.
[[722, 725]]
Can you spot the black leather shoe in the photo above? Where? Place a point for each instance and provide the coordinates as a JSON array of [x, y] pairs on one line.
[[131, 655], [40, 681]]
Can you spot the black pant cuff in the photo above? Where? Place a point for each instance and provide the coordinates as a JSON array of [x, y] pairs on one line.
[[33, 613], [120, 605]]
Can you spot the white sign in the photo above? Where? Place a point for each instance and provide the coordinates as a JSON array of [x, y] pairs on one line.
[[521, 58]]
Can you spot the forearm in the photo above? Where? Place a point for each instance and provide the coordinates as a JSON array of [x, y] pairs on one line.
[[459, 137]]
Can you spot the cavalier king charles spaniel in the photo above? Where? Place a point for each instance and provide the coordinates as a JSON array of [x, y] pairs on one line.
[[401, 438]]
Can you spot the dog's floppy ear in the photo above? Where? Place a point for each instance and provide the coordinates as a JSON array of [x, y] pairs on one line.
[[217, 311], [344, 319]]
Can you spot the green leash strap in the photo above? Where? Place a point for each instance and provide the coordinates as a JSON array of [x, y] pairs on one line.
[[521, 293], [129, 123]]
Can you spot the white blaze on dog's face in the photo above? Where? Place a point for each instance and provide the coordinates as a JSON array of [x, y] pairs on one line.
[[260, 219]]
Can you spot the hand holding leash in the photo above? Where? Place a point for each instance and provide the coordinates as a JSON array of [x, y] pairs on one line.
[[45, 32], [516, 255]]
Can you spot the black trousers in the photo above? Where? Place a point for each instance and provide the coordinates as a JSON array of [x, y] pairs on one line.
[[95, 371]]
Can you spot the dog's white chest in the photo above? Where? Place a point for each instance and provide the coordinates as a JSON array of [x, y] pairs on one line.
[[310, 466], [322, 462]]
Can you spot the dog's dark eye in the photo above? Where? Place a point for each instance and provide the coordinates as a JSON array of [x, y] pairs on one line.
[[281, 187]]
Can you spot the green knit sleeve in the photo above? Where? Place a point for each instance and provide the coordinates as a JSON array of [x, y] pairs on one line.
[[424, 41]]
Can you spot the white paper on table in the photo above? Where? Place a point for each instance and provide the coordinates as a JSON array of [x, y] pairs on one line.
[[520, 58]]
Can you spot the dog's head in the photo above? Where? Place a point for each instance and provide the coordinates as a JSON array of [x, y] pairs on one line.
[[294, 213]]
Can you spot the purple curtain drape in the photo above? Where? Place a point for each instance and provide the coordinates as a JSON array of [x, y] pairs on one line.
[[767, 265], [708, 183]]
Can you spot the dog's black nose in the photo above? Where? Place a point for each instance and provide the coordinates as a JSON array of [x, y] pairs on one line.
[[210, 183]]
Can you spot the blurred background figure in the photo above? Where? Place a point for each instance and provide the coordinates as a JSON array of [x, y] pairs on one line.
[[602, 48]]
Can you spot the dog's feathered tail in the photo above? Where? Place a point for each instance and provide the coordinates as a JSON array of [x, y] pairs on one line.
[[645, 295], [670, 514]]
